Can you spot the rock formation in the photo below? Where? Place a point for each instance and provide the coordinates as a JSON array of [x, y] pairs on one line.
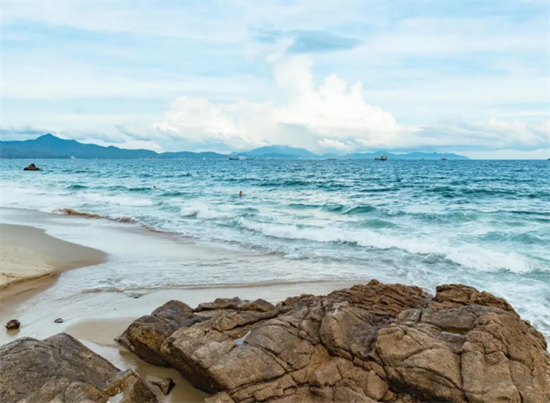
[[60, 369], [31, 167], [369, 343]]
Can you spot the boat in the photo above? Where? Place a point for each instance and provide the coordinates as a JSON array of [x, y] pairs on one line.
[[444, 158], [383, 157], [239, 158]]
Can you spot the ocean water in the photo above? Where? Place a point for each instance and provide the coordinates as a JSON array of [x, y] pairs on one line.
[[482, 223]]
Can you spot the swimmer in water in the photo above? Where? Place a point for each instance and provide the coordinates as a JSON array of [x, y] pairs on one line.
[[241, 193]]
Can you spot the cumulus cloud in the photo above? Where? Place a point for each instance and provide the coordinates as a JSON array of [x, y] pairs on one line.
[[493, 133], [337, 145], [330, 115]]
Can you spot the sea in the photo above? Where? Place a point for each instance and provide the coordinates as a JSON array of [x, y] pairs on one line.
[[480, 223]]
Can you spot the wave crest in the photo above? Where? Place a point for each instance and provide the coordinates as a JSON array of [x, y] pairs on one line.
[[470, 256]]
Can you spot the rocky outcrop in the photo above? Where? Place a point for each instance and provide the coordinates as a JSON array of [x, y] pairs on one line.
[[31, 167], [60, 369], [369, 343]]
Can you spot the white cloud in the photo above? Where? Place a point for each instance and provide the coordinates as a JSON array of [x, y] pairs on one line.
[[491, 134], [337, 145], [330, 116], [323, 113], [414, 67], [333, 108], [140, 144]]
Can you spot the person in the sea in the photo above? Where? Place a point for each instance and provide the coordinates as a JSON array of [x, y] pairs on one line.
[[241, 193]]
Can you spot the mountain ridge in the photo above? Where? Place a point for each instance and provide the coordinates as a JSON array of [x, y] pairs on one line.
[[50, 146]]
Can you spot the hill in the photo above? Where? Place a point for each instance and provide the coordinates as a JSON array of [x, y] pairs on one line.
[[50, 146], [280, 152]]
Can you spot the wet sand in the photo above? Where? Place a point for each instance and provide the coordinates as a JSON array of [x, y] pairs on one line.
[[95, 312]]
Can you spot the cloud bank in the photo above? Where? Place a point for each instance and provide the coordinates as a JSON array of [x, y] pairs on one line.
[[331, 115]]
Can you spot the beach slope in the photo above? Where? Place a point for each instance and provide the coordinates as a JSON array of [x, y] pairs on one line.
[[28, 253]]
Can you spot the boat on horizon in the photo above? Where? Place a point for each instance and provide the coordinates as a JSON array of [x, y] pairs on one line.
[[444, 158], [383, 157]]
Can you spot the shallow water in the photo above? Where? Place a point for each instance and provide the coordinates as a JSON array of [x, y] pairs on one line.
[[482, 223]]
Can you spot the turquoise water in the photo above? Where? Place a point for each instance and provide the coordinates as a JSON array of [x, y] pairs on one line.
[[483, 223]]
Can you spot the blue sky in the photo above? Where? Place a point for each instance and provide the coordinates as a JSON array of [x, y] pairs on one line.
[[468, 77]]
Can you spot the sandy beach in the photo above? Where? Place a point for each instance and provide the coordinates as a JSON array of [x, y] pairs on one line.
[[99, 275], [39, 257]]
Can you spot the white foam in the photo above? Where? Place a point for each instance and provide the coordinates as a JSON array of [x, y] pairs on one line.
[[203, 212], [467, 255], [32, 198]]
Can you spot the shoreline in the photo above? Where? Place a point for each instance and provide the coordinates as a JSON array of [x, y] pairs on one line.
[[97, 302], [97, 316]]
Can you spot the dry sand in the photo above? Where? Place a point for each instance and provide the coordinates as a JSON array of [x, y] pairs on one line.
[[28, 253]]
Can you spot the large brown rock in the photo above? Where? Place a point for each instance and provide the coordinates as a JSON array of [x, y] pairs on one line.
[[369, 343], [60, 369], [466, 346], [146, 334]]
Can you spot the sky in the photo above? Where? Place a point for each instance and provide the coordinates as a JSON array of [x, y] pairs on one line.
[[328, 76]]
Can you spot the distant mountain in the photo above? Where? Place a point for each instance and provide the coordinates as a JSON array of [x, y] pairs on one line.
[[290, 152], [50, 146], [280, 152]]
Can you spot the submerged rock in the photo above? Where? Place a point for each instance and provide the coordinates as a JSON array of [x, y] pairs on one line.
[[31, 167], [371, 342], [60, 369]]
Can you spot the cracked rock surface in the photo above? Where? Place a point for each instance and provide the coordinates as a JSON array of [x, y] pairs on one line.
[[369, 343], [60, 369]]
